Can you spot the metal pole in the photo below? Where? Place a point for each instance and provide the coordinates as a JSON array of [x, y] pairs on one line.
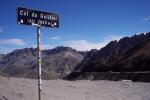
[[39, 63]]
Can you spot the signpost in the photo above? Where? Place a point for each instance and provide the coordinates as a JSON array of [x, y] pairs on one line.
[[37, 18], [29, 17]]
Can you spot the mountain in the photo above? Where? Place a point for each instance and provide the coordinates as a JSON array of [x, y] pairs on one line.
[[1, 56], [86, 59], [56, 63], [128, 55]]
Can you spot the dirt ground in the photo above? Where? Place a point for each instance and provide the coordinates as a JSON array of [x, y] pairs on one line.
[[26, 89]]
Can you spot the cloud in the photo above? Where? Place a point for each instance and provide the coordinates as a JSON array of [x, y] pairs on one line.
[[4, 50], [147, 19], [2, 28], [56, 38], [84, 45], [44, 46], [17, 42], [112, 38], [80, 45]]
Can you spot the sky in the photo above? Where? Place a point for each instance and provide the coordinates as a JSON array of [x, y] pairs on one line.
[[84, 24]]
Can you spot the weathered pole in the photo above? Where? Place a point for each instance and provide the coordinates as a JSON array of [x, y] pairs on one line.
[[39, 62], [24, 15]]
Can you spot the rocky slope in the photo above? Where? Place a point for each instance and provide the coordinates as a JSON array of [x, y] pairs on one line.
[[56, 63], [130, 54], [1, 56]]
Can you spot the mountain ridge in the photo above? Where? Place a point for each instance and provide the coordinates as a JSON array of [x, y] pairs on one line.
[[128, 54], [56, 63], [118, 57]]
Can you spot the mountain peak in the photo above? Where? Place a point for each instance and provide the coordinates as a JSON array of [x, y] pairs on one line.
[[56, 63], [129, 54]]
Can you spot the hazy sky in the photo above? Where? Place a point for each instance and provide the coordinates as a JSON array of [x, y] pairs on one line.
[[84, 24]]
